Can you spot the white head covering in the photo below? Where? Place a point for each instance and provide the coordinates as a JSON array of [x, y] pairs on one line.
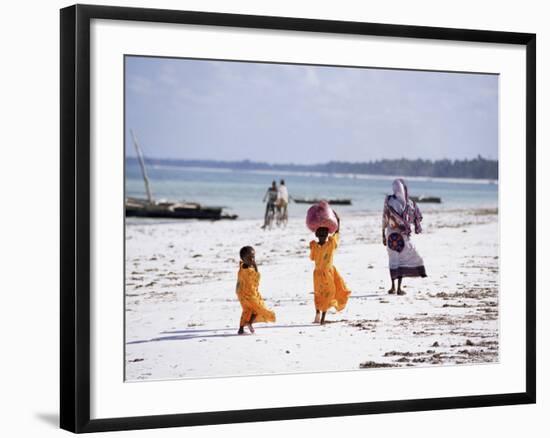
[[400, 192]]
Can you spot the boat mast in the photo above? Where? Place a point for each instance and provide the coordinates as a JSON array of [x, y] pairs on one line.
[[143, 171]]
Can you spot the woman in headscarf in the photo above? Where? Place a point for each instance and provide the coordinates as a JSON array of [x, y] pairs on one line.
[[399, 214]]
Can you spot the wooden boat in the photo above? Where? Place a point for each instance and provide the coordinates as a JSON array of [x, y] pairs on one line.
[[136, 207], [315, 201], [426, 199]]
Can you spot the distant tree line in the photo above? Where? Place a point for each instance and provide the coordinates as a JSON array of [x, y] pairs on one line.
[[476, 168]]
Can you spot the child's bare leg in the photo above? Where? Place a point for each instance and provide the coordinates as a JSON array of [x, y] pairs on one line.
[[249, 325], [242, 322], [399, 290], [323, 317], [317, 317], [392, 290]]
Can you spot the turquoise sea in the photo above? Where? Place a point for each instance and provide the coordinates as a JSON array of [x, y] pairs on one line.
[[241, 192]]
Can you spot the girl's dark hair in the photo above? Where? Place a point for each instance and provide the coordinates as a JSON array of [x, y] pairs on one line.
[[245, 250], [322, 231]]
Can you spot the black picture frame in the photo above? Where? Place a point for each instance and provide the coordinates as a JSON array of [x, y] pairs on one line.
[[75, 217]]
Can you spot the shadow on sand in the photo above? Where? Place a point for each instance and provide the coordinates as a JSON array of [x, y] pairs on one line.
[[183, 335], [375, 295], [198, 333]]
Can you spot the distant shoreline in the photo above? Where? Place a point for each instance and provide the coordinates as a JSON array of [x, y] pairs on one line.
[[477, 170], [334, 175]]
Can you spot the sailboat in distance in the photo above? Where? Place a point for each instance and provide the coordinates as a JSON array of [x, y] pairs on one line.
[[139, 207]]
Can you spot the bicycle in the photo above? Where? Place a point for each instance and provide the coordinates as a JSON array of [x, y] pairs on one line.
[[282, 215], [269, 216]]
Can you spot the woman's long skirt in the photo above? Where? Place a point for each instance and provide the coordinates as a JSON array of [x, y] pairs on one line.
[[406, 263]]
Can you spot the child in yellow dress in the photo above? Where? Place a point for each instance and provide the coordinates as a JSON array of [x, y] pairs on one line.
[[329, 287], [254, 308]]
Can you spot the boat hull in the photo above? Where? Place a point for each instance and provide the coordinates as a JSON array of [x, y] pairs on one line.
[[171, 210]]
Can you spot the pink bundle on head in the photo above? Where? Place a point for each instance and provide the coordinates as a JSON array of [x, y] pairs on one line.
[[321, 215]]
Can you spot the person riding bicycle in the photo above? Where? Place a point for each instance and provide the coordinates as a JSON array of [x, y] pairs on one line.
[[271, 197], [282, 203]]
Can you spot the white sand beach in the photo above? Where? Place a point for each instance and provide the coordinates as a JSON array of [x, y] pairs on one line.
[[182, 313]]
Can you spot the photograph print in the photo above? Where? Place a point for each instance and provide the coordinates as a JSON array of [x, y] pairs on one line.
[[293, 218]]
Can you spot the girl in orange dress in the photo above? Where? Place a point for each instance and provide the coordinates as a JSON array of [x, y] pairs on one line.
[[254, 308], [329, 287]]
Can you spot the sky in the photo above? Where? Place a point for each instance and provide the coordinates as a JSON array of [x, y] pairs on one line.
[[279, 113]]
